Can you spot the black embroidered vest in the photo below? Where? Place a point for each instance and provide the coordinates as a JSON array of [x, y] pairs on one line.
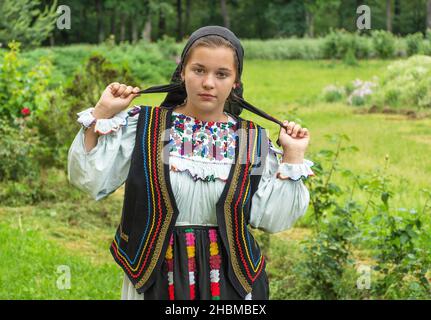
[[150, 211]]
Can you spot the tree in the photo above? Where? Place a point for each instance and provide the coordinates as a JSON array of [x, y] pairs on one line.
[[314, 7], [225, 13], [429, 14], [388, 15], [179, 20], [23, 21]]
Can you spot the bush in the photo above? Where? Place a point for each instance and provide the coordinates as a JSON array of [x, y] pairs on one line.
[[18, 152], [383, 43], [360, 92], [281, 49], [62, 105], [406, 83], [19, 89], [333, 93], [414, 43], [341, 44]]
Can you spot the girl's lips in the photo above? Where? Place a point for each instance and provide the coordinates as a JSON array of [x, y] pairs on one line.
[[206, 97]]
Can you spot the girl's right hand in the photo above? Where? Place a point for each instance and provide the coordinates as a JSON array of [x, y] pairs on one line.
[[115, 98]]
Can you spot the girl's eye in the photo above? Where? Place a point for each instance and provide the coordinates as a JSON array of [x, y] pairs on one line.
[[219, 74]]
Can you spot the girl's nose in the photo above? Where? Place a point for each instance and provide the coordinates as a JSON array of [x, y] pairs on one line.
[[208, 82]]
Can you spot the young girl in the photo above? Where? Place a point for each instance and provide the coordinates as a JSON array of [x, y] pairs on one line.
[[196, 177]]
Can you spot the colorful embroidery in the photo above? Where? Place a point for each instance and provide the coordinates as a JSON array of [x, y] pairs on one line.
[[142, 262], [210, 140], [215, 261], [246, 266], [170, 262], [191, 253]]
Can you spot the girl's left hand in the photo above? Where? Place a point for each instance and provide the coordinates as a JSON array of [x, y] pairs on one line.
[[293, 137]]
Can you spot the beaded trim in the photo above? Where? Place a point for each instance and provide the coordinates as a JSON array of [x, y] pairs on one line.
[[215, 261], [191, 257]]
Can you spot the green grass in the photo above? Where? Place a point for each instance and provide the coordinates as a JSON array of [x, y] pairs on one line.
[[29, 269]]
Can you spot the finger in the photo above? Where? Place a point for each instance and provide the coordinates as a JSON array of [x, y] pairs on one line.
[[127, 92], [120, 91], [290, 127], [114, 87], [295, 130], [302, 133], [283, 129], [136, 90]]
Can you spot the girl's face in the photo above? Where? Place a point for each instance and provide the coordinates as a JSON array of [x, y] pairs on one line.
[[209, 71]]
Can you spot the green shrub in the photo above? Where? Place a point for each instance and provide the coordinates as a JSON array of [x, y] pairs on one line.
[[19, 150], [19, 89], [406, 83], [383, 43], [333, 93], [340, 44], [281, 49], [414, 43], [56, 115]]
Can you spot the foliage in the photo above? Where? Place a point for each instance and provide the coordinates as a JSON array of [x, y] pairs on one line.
[[62, 104], [23, 21], [20, 89], [18, 154], [339, 44], [400, 245], [328, 253], [406, 83], [384, 43]]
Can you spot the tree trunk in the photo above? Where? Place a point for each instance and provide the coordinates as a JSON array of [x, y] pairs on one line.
[[113, 21], [429, 14], [397, 15], [52, 40], [225, 14], [309, 20], [388, 15], [134, 27], [100, 30], [179, 20], [162, 24], [123, 28], [146, 33], [187, 21]]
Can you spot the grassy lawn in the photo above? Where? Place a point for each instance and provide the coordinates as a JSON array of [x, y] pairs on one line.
[[29, 269], [38, 239]]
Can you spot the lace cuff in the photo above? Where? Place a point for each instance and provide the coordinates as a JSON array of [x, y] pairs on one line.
[[295, 171], [103, 126]]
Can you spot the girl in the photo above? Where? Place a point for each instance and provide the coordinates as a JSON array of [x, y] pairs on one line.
[[196, 177]]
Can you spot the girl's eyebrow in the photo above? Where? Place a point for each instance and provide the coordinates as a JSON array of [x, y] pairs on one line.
[[201, 65]]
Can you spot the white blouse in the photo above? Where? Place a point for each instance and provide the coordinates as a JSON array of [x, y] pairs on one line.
[[197, 179]]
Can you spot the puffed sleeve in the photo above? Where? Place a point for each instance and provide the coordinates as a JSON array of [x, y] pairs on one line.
[[281, 197], [104, 168]]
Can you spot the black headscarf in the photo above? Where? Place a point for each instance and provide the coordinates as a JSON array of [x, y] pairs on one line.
[[176, 89]]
